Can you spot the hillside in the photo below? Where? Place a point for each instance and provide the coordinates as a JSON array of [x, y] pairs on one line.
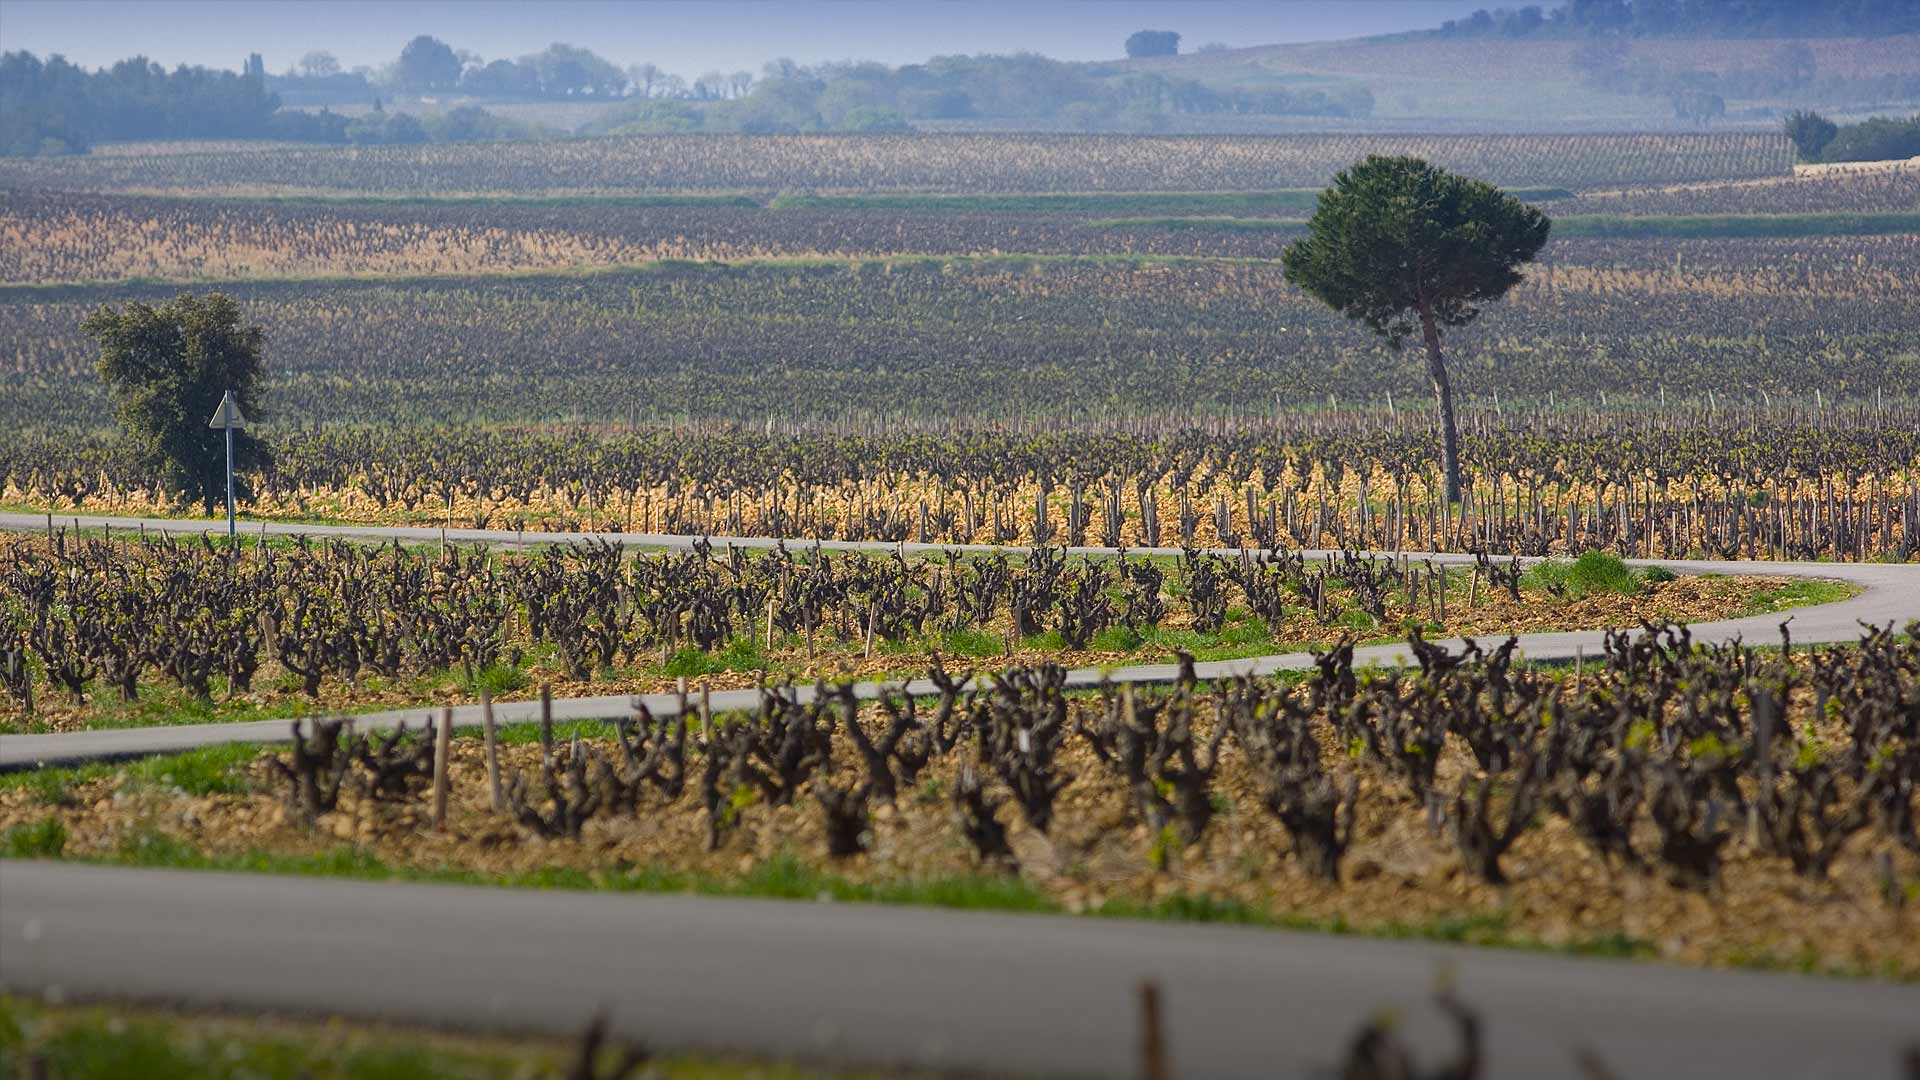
[[1499, 83]]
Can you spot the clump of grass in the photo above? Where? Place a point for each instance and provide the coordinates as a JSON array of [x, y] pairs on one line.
[[43, 839], [1599, 572], [1594, 573], [498, 679], [50, 787], [691, 662], [971, 642], [741, 654], [1050, 641]]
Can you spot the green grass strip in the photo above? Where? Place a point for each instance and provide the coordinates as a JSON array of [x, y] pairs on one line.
[[208, 770], [608, 201], [83, 291], [1601, 226], [1286, 200], [1734, 226], [1802, 592], [1297, 201], [1204, 224], [785, 877]]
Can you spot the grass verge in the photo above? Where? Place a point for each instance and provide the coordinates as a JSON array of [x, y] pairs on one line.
[[209, 770], [1802, 592], [784, 877], [115, 1042]]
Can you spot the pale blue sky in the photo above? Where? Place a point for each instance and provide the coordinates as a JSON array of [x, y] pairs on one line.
[[684, 36]]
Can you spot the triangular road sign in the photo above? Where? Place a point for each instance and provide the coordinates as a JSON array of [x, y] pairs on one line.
[[229, 409]]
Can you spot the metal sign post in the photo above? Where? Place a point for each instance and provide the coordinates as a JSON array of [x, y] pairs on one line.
[[228, 416]]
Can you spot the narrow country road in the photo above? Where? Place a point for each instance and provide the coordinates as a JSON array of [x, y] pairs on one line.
[[1889, 595], [894, 985], [891, 985]]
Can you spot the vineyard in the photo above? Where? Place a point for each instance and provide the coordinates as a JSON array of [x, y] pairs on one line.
[[105, 620], [74, 238], [919, 504], [942, 163], [1710, 805], [992, 340], [68, 238], [1864, 191], [1836, 485]]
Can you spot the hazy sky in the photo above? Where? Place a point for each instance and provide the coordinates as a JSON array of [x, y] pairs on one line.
[[685, 36]]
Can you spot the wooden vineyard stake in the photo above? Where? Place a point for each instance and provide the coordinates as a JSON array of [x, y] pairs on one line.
[[493, 751], [546, 727], [1153, 1044], [442, 745]]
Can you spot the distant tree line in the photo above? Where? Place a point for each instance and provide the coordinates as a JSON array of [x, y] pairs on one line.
[[467, 123], [428, 65], [861, 96], [55, 107], [1790, 71], [1693, 18], [1880, 138], [842, 96]]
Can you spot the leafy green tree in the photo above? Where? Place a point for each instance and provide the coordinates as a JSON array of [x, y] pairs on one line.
[[1153, 43], [427, 63], [319, 64], [1400, 244], [1877, 138], [1810, 133], [501, 78], [1699, 106], [166, 369], [567, 71]]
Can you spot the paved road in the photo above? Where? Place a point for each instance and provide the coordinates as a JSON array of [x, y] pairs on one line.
[[897, 985], [942, 989], [1890, 594]]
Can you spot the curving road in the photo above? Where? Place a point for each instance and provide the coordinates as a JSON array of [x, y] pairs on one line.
[[948, 990], [1889, 595], [884, 985]]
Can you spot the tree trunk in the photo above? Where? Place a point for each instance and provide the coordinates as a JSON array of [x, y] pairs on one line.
[[1443, 394]]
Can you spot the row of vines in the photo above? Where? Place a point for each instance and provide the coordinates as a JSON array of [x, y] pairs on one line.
[[80, 615], [1838, 484], [946, 163], [984, 341]]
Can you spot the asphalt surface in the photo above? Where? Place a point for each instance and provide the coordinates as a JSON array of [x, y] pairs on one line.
[[890, 985], [1890, 595], [935, 989]]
